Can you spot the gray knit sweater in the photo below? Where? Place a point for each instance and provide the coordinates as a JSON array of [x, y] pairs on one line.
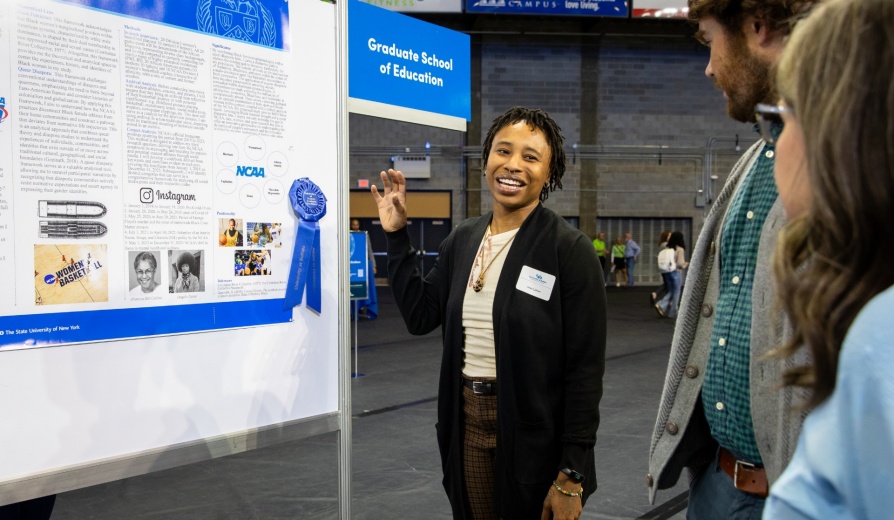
[[681, 437]]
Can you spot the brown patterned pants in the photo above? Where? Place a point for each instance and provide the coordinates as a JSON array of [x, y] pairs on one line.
[[479, 451]]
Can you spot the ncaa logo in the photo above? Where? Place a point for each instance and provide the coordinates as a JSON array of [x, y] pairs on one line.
[[3, 112], [49, 279], [250, 171]]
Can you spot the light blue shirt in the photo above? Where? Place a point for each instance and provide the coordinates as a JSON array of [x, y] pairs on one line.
[[632, 249], [844, 464]]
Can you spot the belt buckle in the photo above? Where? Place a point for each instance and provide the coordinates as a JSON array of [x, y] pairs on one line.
[[479, 387], [739, 464]]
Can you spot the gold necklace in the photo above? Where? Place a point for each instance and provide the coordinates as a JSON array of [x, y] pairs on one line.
[[479, 283]]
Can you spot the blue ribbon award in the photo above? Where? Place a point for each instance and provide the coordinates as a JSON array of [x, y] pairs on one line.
[[309, 204]]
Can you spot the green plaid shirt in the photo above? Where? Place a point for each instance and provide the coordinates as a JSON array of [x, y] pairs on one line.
[[726, 394]]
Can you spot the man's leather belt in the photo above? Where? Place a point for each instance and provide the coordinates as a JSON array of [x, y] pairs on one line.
[[480, 388], [746, 477]]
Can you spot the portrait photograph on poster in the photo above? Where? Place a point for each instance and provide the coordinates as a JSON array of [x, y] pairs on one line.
[[231, 233], [144, 275], [186, 271]]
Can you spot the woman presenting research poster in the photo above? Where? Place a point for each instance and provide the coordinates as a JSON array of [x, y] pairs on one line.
[[520, 298]]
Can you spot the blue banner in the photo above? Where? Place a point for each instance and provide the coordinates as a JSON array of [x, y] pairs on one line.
[[357, 265], [261, 22], [614, 8], [400, 61], [78, 327]]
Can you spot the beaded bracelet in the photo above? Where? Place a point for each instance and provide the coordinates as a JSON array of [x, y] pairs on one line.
[[567, 493]]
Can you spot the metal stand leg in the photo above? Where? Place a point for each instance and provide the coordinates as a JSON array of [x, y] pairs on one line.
[[356, 343]]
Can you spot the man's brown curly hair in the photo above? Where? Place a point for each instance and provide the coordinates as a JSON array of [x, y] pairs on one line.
[[779, 15]]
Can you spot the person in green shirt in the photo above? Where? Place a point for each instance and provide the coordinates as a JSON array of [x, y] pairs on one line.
[[599, 245], [620, 262]]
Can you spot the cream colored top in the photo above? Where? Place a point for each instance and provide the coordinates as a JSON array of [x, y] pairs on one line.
[[478, 317]]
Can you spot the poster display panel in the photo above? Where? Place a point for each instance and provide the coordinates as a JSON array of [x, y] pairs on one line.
[[144, 190], [98, 411]]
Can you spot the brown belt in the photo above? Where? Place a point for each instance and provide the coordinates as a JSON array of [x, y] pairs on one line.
[[746, 477]]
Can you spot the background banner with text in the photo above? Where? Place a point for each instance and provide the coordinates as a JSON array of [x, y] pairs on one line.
[[419, 6], [614, 8], [405, 69]]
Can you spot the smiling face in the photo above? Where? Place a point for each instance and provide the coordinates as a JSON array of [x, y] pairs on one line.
[[742, 75], [145, 275], [790, 168], [517, 167]]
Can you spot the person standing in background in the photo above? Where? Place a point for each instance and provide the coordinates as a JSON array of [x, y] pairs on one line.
[[721, 414], [667, 306], [599, 245], [620, 263], [654, 296], [355, 226], [631, 255]]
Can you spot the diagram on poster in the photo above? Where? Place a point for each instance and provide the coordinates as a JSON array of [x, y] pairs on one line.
[[147, 188]]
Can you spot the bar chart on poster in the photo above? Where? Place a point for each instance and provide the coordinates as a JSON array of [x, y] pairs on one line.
[[149, 153]]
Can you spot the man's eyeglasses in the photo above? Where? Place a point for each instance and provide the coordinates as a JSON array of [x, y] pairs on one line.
[[768, 117], [149, 272]]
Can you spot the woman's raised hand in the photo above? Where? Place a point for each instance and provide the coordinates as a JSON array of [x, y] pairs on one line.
[[393, 204]]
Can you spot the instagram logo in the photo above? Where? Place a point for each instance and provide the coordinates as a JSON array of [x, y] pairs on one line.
[[147, 196]]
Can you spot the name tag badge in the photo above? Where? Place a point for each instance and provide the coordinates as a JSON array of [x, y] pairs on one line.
[[536, 283]]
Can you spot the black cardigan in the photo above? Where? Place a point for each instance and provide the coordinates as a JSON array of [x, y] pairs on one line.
[[550, 355]]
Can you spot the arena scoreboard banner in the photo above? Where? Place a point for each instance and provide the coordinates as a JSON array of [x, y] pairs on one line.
[[612, 8], [406, 69]]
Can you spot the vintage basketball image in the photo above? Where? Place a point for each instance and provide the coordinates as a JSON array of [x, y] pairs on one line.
[[230, 230], [70, 273]]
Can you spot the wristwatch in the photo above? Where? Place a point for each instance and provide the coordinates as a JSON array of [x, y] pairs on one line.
[[575, 476]]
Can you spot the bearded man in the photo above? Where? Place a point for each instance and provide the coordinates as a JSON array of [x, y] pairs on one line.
[[721, 415]]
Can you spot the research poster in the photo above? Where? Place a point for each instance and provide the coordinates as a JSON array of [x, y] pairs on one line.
[[145, 166]]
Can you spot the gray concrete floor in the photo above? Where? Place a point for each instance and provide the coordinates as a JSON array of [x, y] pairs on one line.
[[396, 471]]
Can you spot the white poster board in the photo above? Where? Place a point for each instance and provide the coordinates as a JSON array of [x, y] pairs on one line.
[[104, 111]]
